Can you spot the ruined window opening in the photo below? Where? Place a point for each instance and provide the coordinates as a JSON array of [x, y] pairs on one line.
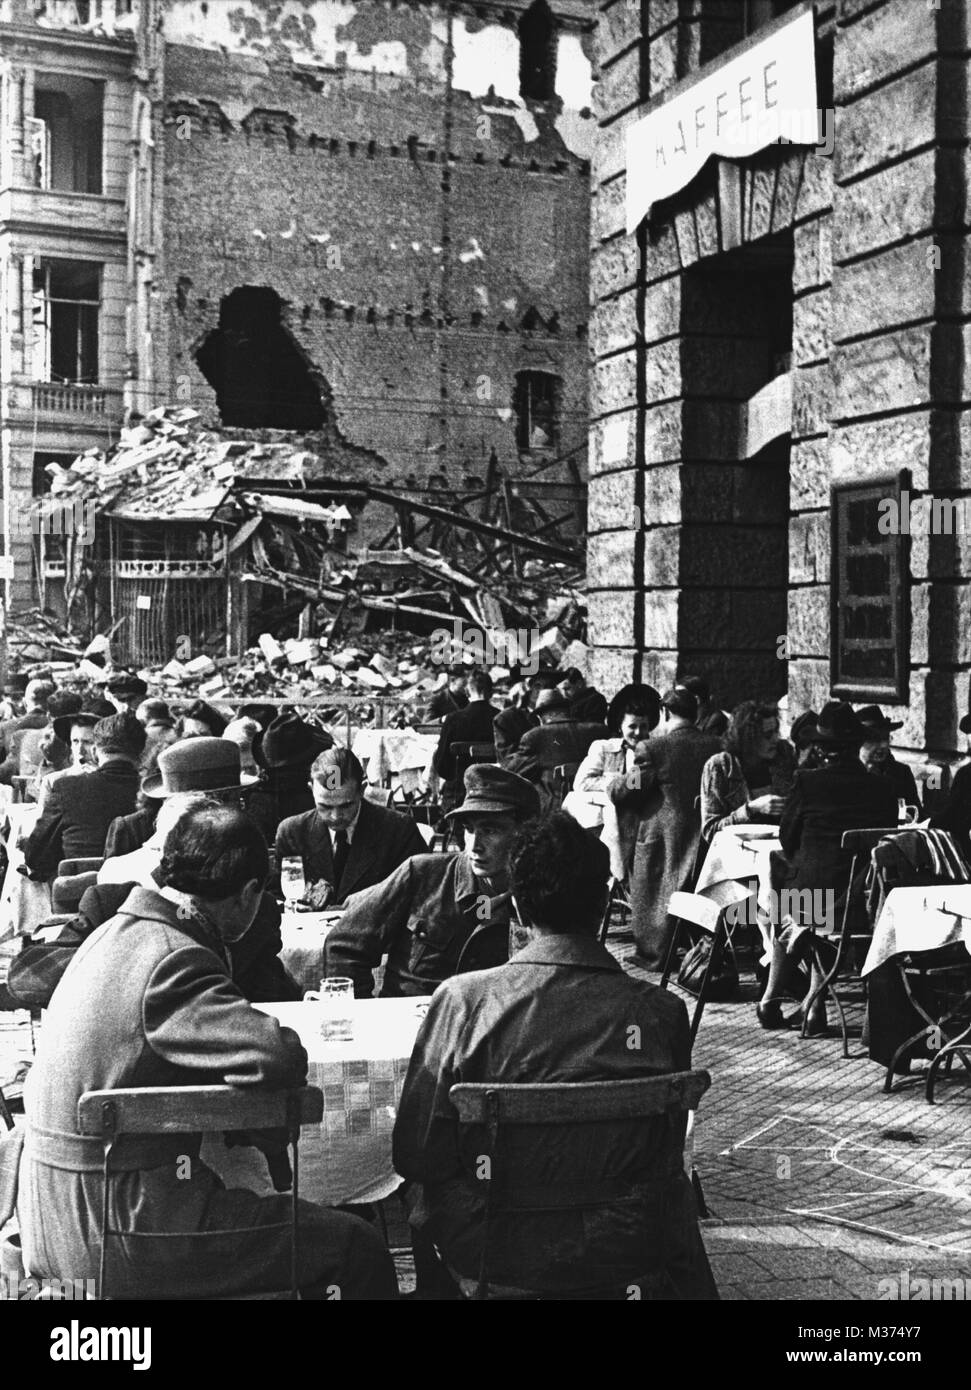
[[66, 310], [261, 378], [537, 411], [66, 133], [537, 53]]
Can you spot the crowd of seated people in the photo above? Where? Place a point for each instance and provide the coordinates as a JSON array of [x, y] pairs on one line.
[[181, 934]]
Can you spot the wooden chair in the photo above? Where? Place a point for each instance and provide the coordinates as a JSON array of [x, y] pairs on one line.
[[513, 1189], [937, 985], [694, 910], [67, 890], [564, 775], [193, 1109]]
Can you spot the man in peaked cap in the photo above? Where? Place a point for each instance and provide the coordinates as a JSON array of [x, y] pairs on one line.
[[439, 915]]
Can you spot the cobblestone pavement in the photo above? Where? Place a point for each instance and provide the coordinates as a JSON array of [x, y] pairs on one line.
[[818, 1185]]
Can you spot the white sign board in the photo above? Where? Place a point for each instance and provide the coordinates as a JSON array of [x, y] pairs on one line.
[[767, 91]]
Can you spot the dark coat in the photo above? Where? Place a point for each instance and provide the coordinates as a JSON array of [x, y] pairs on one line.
[[823, 804], [35, 720], [432, 917], [255, 958], [283, 793], [956, 813], [589, 707], [86, 803], [901, 779], [128, 833], [554, 743], [470, 725], [561, 1010], [664, 795], [382, 840], [508, 728]]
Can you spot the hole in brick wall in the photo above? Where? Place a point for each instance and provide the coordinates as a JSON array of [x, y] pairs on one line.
[[371, 148], [261, 378], [537, 53]]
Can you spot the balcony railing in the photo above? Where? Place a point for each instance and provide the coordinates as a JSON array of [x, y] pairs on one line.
[[59, 398]]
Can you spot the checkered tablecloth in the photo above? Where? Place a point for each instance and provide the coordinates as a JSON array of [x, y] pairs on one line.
[[347, 1158]]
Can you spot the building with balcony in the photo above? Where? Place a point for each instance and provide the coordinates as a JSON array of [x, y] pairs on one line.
[[779, 339], [366, 219]]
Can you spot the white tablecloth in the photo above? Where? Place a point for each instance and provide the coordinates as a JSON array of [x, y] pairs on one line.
[[347, 1158], [920, 919], [304, 935], [401, 751], [737, 868], [23, 904]]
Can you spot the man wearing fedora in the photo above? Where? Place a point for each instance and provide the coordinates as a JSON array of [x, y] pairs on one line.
[[286, 753], [559, 740], [439, 915], [74, 733], [196, 768], [346, 841], [81, 805], [876, 757]]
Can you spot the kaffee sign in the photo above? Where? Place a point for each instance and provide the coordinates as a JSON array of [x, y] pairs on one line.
[[763, 91]]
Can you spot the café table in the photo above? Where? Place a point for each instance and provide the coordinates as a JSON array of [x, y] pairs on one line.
[[24, 904], [912, 921], [304, 937], [737, 870], [404, 753], [347, 1157]]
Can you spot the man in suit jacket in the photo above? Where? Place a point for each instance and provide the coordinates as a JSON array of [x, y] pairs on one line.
[[148, 1000], [470, 725], [36, 695], [449, 700], [346, 841], [558, 740], [664, 793], [81, 805]]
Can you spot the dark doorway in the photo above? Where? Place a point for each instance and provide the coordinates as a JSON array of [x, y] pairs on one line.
[[734, 549], [261, 378]]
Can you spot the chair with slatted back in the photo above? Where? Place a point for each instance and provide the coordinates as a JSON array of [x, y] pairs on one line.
[[618, 910], [513, 1191], [692, 910], [67, 867], [156, 1110], [564, 775]]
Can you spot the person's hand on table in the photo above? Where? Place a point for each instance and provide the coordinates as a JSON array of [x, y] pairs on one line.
[[318, 895], [766, 805]]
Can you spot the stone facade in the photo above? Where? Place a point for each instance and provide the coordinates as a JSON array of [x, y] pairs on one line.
[[868, 248]]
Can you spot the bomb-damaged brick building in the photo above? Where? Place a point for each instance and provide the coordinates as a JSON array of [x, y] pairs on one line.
[[365, 223], [779, 336]]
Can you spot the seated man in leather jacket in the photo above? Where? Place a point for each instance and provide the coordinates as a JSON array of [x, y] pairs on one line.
[[439, 915]]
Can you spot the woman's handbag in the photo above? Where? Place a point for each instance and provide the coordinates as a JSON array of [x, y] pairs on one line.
[[723, 980]]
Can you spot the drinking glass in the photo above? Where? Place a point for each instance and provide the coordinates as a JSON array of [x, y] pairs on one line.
[[292, 883], [336, 998]]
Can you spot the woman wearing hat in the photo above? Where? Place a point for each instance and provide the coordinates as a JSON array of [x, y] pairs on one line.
[[825, 802], [876, 757]]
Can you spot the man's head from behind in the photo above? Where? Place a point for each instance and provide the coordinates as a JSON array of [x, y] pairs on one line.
[[337, 783], [216, 857], [480, 685], [119, 736], [572, 683], [680, 706], [558, 876]]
